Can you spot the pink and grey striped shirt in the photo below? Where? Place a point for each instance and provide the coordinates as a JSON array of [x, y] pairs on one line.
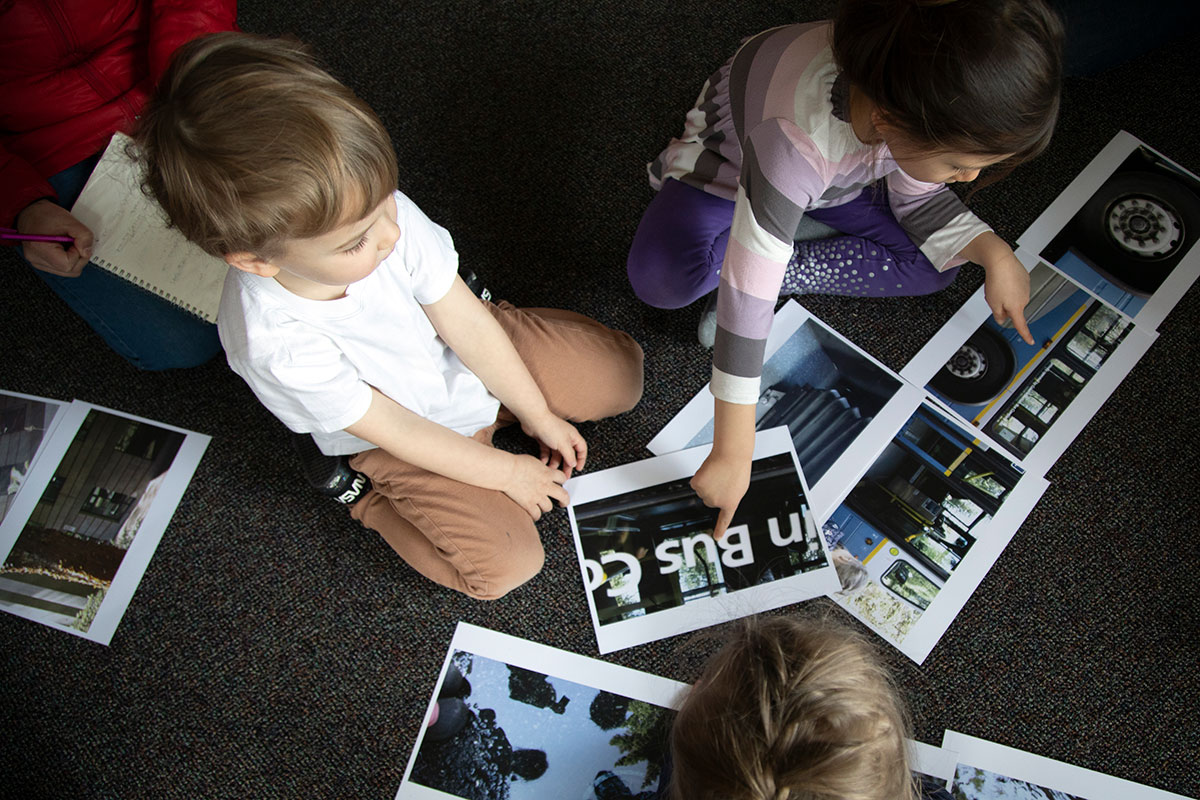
[[771, 132]]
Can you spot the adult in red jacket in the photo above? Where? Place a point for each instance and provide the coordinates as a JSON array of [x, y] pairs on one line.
[[73, 72]]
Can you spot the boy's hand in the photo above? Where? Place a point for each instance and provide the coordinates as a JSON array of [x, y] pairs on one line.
[[534, 486], [561, 445]]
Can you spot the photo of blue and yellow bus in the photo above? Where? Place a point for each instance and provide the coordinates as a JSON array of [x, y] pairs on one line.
[[916, 514], [1015, 392]]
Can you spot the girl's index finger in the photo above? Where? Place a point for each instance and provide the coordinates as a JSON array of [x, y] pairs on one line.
[[1018, 321]]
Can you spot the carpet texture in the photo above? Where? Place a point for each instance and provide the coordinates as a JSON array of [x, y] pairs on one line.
[[275, 649]]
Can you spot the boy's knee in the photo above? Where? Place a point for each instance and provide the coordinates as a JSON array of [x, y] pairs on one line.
[[510, 556], [607, 382], [508, 570], [630, 380]]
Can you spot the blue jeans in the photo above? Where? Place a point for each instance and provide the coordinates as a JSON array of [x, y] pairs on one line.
[[147, 331]]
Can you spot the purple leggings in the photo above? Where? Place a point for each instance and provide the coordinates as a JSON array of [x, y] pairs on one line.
[[679, 247]]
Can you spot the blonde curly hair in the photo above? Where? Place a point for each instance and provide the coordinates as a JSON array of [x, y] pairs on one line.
[[792, 709]]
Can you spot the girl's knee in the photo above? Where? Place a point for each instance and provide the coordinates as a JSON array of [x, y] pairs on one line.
[[660, 284], [920, 277], [934, 281], [675, 268]]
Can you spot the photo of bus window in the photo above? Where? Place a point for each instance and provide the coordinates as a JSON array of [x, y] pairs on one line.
[[1039, 401], [908, 583], [1017, 392]]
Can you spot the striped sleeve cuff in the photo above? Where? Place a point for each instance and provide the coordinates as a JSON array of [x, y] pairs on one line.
[[734, 389], [942, 248]]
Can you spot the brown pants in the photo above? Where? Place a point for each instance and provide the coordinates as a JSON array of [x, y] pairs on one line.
[[477, 540]]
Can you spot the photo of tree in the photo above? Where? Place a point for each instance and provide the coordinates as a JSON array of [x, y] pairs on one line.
[[973, 783], [502, 732]]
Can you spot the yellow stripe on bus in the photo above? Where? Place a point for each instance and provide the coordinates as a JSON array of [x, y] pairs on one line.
[[954, 464], [871, 555], [1029, 363]]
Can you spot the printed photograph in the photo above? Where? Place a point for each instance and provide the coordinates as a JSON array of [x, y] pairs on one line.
[[24, 421], [914, 516], [652, 549], [1016, 392], [991, 771], [824, 390], [932, 766], [1132, 232], [67, 554], [972, 783], [502, 732]]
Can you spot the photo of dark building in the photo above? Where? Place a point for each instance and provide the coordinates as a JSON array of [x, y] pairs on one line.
[[72, 544]]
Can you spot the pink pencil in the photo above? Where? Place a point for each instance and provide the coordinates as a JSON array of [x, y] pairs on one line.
[[13, 236]]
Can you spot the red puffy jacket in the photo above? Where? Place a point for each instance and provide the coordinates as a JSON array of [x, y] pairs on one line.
[[74, 71]]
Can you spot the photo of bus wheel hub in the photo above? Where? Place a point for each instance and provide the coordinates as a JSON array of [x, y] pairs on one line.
[[967, 363], [1144, 227]]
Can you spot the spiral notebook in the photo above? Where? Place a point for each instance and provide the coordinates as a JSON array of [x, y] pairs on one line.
[[134, 242]]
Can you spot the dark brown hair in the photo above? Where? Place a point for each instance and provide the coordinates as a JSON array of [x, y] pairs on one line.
[[969, 76], [792, 709], [247, 143]]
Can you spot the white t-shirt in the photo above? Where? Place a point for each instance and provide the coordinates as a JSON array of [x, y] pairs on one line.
[[312, 363]]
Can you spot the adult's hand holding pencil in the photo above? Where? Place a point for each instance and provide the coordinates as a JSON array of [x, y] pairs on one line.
[[45, 218]]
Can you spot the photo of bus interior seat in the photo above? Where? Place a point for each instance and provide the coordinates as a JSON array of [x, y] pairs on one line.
[[827, 395]]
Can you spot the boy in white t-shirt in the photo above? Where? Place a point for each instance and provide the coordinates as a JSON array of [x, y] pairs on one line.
[[346, 316]]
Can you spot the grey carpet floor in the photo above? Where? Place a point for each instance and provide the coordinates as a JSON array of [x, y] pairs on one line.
[[276, 649]]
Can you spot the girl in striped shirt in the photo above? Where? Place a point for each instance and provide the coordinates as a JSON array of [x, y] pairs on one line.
[[859, 124]]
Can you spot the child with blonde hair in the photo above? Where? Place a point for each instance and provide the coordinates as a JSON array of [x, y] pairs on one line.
[[345, 314], [792, 709]]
